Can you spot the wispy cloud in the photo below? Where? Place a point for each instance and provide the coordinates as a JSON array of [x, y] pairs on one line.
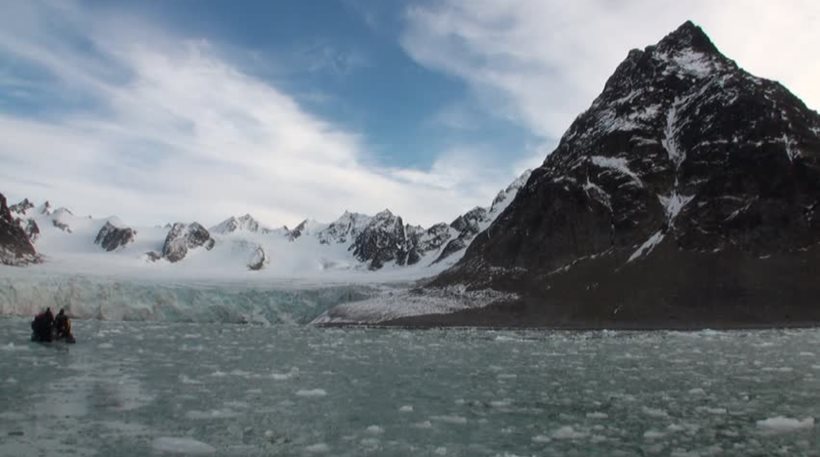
[[167, 128], [540, 62]]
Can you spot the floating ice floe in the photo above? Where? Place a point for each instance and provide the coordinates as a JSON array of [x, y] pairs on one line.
[[182, 446], [653, 412], [780, 424], [568, 433], [212, 414], [450, 419], [311, 393], [318, 448]]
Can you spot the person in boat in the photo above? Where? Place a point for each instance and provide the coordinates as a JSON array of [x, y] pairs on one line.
[[42, 326], [62, 326]]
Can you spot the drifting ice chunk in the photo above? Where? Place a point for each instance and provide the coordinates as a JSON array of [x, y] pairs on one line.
[[780, 424], [318, 448], [182, 446], [311, 393], [567, 433]]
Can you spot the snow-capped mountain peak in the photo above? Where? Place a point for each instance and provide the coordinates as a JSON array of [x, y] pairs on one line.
[[242, 223], [344, 229], [21, 209], [669, 191], [45, 208], [503, 199], [306, 227]]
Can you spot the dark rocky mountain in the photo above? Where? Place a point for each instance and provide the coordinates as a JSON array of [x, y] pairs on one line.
[[182, 238], [15, 247], [471, 223], [21, 213], [687, 195], [21, 208], [386, 239], [298, 231], [31, 229], [112, 237]]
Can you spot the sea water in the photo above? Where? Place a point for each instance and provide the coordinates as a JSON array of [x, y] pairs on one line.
[[143, 388]]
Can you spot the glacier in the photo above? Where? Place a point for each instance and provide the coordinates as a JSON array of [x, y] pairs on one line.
[[127, 299]]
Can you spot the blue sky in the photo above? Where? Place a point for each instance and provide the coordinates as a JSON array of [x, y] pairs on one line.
[[198, 110]]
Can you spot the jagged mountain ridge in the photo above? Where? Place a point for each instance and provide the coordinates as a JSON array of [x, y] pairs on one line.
[[15, 247], [352, 241], [685, 195]]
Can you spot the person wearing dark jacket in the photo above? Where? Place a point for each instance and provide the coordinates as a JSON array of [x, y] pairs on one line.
[[49, 318], [62, 326], [42, 325]]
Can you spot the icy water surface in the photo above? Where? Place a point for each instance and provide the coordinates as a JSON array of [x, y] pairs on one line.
[[184, 389]]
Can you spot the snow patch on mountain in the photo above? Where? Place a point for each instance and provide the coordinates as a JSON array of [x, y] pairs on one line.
[[648, 246], [618, 164]]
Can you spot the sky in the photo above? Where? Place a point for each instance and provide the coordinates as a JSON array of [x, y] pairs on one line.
[[201, 109]]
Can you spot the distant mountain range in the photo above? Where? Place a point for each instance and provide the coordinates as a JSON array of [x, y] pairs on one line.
[[32, 234]]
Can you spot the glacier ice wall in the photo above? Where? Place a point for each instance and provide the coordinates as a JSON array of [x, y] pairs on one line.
[[88, 297]]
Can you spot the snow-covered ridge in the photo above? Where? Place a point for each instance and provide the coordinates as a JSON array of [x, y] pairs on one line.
[[350, 248]]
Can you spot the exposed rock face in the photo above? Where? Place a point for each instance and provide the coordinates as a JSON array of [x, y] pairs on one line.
[[686, 195], [61, 225], [21, 208], [111, 237], [153, 256], [15, 247], [59, 217], [304, 227], [183, 237], [20, 212], [31, 229], [433, 238], [45, 208], [384, 240], [345, 229], [477, 219], [258, 259], [244, 223]]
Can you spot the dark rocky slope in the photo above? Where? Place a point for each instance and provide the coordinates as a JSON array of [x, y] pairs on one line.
[[111, 237], [182, 238], [15, 247], [687, 195]]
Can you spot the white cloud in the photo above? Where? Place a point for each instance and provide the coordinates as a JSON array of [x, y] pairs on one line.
[[541, 62], [174, 132]]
